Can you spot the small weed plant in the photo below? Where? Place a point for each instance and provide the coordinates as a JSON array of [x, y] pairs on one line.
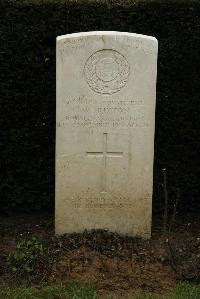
[[24, 258]]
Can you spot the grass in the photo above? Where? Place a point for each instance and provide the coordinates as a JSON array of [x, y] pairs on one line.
[[71, 291], [186, 291], [76, 291], [182, 291]]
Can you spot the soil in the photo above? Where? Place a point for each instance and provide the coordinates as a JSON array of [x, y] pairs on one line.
[[107, 260]]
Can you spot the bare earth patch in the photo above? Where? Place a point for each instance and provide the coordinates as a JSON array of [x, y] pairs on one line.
[[106, 260]]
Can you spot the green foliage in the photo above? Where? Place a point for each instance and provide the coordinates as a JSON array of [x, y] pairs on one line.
[[31, 259], [23, 259]]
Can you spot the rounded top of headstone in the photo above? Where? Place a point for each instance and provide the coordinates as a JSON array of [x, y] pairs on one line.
[[107, 33]]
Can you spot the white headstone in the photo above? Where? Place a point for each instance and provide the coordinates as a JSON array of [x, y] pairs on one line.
[[106, 91]]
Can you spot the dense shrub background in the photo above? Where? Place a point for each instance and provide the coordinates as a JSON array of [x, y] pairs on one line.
[[28, 31]]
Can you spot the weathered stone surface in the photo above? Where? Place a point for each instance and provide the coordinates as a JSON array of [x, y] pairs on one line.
[[106, 91]]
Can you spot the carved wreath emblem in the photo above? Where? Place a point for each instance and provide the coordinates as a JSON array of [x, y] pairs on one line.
[[106, 71]]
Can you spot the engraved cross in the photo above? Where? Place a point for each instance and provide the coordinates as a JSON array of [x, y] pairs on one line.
[[104, 154]]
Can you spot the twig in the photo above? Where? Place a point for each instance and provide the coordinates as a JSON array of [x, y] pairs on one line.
[[166, 200], [175, 209], [171, 255]]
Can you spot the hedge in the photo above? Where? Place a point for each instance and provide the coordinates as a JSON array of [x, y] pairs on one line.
[[28, 31]]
